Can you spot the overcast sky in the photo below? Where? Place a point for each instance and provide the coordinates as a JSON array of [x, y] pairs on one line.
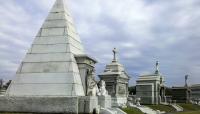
[[143, 31]]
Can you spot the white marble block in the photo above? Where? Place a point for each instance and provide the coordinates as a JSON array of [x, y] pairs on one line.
[[104, 101]]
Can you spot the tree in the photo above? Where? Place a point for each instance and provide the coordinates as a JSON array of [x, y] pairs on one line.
[[1, 84], [168, 91], [132, 90], [7, 84]]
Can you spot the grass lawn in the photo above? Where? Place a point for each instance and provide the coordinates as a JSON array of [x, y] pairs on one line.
[[13, 113], [132, 111], [165, 108], [190, 112], [190, 107]]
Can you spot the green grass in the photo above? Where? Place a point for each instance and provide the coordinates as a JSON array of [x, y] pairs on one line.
[[165, 108], [132, 111], [13, 113], [190, 112], [190, 107]]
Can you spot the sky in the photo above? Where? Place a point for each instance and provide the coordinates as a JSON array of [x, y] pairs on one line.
[[143, 31]]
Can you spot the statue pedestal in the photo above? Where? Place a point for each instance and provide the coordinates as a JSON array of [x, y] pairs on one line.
[[104, 101], [119, 101], [39, 104], [87, 104]]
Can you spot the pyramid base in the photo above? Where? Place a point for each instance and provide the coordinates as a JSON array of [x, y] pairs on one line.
[[72, 105]]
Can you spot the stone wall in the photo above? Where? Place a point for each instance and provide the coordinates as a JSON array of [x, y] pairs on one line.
[[118, 101], [39, 104], [104, 101], [88, 104], [72, 105], [146, 92]]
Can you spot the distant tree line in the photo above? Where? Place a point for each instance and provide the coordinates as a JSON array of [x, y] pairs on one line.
[[132, 90], [168, 91], [4, 86]]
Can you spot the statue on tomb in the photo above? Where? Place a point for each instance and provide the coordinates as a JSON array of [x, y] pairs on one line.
[[114, 55], [92, 88], [102, 88], [157, 68], [186, 78], [137, 100], [130, 102]]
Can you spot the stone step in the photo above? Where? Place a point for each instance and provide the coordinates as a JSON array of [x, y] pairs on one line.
[[2, 92], [177, 107], [145, 109], [107, 111], [118, 110], [111, 111]]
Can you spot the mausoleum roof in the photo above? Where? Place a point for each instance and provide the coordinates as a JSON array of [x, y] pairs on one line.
[[115, 68]]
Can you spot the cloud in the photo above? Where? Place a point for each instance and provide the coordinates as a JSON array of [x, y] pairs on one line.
[[143, 31]]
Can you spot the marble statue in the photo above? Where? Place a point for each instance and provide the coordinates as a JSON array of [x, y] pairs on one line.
[[114, 53], [102, 88], [92, 88], [104, 100], [186, 78], [130, 102], [157, 68], [137, 100]]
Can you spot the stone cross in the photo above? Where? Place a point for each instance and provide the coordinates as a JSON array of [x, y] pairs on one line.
[[114, 54]]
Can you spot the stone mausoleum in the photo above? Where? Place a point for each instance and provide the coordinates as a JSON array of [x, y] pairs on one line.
[[195, 92], [56, 75], [182, 94], [150, 88], [116, 80]]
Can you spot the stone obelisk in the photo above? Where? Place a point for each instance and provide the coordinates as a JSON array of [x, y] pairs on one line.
[[50, 68]]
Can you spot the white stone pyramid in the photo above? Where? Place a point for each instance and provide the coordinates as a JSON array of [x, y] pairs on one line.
[[49, 68]]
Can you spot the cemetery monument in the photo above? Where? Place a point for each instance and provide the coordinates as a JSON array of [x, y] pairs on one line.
[[116, 80], [150, 88], [181, 94], [56, 75]]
